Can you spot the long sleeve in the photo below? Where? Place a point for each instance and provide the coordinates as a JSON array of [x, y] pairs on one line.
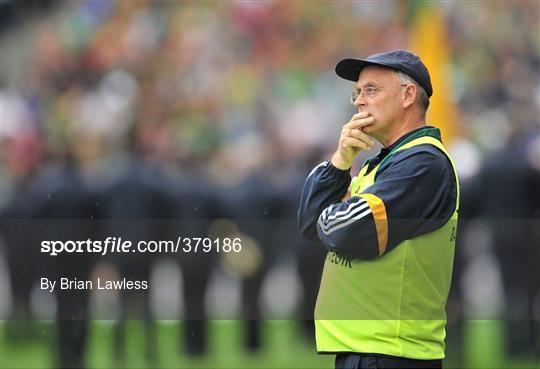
[[325, 185], [414, 193]]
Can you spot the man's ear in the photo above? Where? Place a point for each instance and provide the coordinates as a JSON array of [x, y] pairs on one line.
[[409, 95]]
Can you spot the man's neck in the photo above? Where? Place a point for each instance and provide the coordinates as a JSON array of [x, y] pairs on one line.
[[408, 124], [400, 133]]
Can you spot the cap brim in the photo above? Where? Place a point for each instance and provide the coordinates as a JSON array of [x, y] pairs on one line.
[[350, 69]]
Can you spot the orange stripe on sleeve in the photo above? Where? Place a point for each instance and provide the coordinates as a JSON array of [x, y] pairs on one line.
[[379, 215]]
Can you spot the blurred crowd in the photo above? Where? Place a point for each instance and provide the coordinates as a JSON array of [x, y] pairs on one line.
[[161, 110]]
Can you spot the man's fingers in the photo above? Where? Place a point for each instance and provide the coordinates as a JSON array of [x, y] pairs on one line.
[[360, 115], [357, 133], [355, 142], [358, 123]]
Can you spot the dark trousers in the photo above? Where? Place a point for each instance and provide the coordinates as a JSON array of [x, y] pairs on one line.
[[371, 361]]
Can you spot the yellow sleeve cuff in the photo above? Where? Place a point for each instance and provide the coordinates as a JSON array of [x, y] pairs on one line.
[[379, 216]]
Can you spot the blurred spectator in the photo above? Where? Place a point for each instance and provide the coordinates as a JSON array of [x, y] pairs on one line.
[[250, 206], [131, 205], [25, 202], [71, 205], [506, 192], [193, 206]]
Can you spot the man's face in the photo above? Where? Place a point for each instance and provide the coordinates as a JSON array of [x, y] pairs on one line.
[[386, 103]]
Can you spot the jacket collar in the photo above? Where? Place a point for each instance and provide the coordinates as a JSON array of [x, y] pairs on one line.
[[406, 138]]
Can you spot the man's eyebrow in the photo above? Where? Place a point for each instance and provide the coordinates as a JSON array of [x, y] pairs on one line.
[[369, 83]]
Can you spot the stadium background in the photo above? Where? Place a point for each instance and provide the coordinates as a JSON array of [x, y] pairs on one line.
[[222, 108]]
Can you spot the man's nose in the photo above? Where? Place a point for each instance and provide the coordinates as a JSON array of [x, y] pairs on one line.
[[360, 101]]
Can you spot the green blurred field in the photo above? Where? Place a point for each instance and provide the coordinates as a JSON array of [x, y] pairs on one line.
[[283, 347]]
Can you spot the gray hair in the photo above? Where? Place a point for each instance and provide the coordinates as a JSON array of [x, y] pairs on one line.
[[421, 95]]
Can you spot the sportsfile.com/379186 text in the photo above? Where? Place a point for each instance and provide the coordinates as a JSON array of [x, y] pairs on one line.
[[118, 245]]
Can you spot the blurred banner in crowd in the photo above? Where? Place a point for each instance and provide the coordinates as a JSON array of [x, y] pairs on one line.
[[429, 38]]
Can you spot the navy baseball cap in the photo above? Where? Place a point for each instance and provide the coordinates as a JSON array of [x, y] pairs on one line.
[[402, 60]]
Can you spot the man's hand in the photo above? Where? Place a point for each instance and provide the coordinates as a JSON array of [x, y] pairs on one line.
[[352, 140]]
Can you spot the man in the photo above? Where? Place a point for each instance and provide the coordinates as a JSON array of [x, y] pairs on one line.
[[390, 231]]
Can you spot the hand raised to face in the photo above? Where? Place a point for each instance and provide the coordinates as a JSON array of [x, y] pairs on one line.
[[352, 140]]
